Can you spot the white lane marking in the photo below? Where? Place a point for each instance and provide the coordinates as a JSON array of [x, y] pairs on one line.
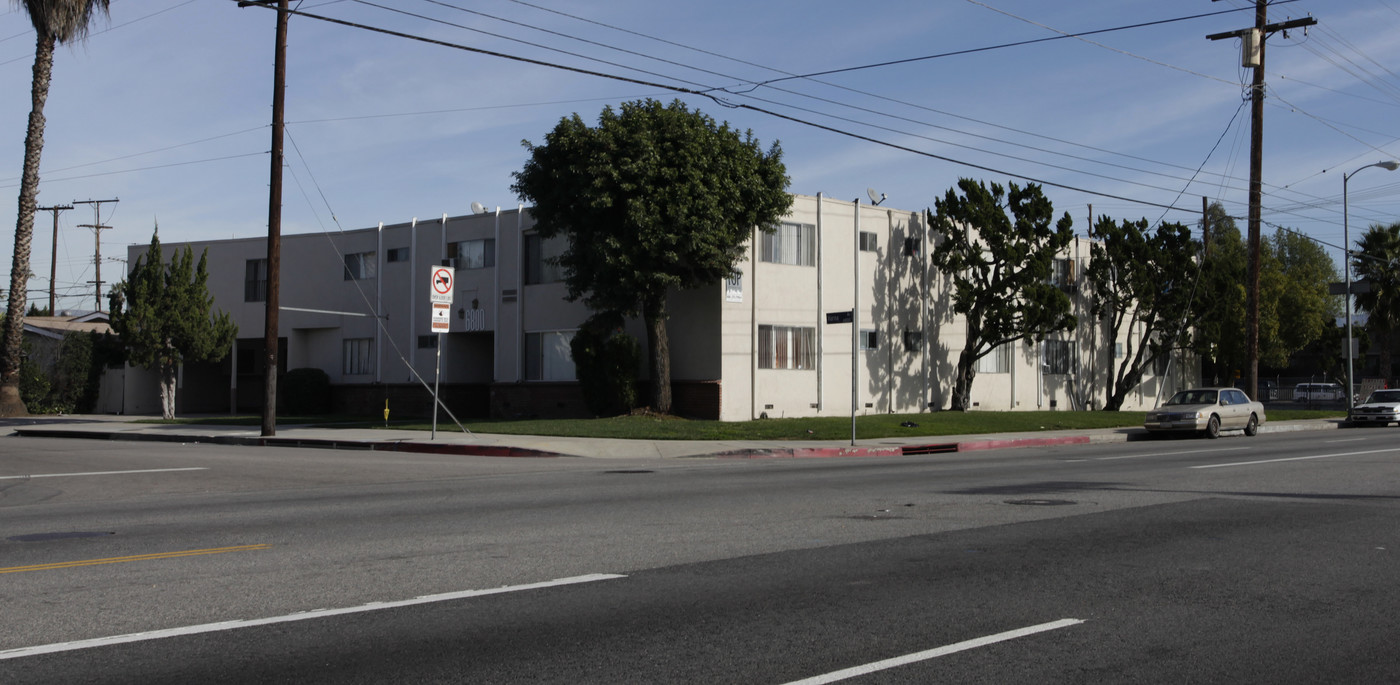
[[103, 473], [1315, 456], [1172, 454], [869, 668], [1347, 440], [301, 616]]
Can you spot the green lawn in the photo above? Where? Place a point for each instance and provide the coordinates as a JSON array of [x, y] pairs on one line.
[[644, 427]]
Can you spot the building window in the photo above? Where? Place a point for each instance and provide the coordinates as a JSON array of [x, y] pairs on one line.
[[397, 254], [255, 281], [790, 243], [913, 247], [996, 361], [473, 254], [548, 356], [359, 356], [1062, 273], [427, 342], [1059, 357], [540, 258], [1161, 363], [1118, 350], [869, 339], [912, 340], [787, 347], [868, 241], [360, 265]]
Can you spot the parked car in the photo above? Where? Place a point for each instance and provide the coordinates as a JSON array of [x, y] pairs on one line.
[[1207, 411], [1382, 408], [1318, 392]]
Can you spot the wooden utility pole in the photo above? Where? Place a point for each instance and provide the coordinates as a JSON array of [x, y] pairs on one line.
[[1205, 226], [53, 258], [97, 229], [274, 218], [1253, 56]]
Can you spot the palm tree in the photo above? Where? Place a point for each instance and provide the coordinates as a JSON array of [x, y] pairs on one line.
[[1377, 253], [55, 21]]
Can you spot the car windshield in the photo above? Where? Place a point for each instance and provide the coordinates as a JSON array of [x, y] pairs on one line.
[[1384, 396], [1193, 397]]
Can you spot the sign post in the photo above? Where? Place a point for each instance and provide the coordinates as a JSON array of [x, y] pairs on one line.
[[440, 297]]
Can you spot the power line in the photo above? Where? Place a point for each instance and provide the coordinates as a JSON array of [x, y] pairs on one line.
[[721, 102]]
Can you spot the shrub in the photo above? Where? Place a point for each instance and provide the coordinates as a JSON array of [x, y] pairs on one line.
[[606, 359], [304, 392]]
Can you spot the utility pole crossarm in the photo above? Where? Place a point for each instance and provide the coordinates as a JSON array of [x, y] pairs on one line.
[[1268, 29]]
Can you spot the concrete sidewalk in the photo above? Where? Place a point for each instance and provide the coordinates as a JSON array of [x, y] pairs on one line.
[[99, 427]]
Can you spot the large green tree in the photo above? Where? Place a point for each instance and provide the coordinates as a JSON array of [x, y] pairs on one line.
[[1294, 303], [997, 247], [164, 316], [1142, 282], [1375, 259], [55, 21], [652, 200], [1219, 309]]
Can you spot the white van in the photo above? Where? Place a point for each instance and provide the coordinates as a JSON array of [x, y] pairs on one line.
[[1317, 392]]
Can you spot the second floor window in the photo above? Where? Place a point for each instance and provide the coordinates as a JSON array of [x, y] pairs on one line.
[[790, 243], [1062, 273], [255, 281], [540, 254], [360, 265], [473, 254]]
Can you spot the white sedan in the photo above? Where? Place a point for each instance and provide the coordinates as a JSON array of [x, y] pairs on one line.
[[1207, 411], [1380, 409]]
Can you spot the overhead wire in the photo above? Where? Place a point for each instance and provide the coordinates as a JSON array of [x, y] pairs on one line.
[[716, 99], [369, 307]]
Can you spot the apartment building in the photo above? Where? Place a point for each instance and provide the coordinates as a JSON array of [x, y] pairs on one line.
[[836, 308]]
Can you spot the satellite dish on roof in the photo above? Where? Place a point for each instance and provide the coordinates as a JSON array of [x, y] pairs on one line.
[[875, 200], [478, 208]]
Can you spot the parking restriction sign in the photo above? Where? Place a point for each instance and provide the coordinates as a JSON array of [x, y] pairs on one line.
[[441, 285], [442, 317]]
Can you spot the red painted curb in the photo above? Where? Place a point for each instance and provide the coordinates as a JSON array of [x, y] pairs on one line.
[[1022, 442], [811, 453]]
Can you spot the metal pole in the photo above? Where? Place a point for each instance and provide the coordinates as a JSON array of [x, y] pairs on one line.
[[1388, 165], [437, 376], [855, 325], [1346, 267]]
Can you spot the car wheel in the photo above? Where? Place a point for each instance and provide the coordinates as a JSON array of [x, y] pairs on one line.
[[1213, 427], [1252, 428]]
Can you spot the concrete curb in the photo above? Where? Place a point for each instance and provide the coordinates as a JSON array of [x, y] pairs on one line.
[[322, 443], [957, 444]]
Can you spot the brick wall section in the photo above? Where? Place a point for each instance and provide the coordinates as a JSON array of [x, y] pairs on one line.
[[696, 399], [537, 400], [692, 399], [465, 400]]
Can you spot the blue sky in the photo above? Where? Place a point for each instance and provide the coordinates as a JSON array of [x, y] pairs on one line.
[[167, 107]]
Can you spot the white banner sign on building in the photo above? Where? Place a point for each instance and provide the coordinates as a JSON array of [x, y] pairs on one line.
[[734, 289]]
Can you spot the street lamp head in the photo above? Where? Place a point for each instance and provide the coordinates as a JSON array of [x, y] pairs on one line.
[[1389, 165]]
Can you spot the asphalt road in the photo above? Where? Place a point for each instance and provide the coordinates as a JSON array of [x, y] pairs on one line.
[[1268, 559]]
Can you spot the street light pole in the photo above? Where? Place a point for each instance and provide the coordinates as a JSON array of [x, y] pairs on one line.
[[1388, 165]]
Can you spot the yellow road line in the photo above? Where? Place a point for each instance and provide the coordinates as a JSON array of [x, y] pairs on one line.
[[137, 557]]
